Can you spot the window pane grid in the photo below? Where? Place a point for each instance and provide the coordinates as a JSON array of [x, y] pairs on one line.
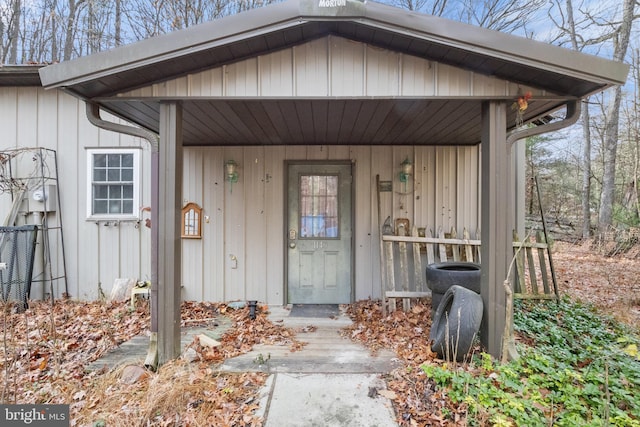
[[112, 199], [113, 183], [319, 206]]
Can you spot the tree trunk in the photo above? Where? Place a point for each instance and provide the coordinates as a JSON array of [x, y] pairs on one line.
[[605, 216], [586, 171], [586, 133], [1, 42], [54, 31], [71, 24], [118, 24], [14, 36]]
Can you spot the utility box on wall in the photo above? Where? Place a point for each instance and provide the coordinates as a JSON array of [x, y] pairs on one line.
[[43, 199]]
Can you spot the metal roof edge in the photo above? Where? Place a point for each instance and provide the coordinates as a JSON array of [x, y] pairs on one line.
[[268, 19], [498, 44], [165, 45], [20, 75]]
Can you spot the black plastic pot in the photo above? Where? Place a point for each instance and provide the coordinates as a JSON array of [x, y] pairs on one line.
[[441, 276]]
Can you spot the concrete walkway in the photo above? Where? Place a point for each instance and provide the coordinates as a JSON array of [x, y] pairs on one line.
[[134, 351], [328, 383], [331, 382]]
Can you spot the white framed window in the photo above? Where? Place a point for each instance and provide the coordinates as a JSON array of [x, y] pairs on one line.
[[113, 177]]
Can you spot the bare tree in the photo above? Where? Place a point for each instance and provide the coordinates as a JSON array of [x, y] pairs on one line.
[[14, 31], [620, 36], [118, 23], [1, 40], [73, 7], [53, 6], [10, 16], [6, 23], [598, 28], [628, 164], [586, 132], [432, 7], [501, 15]]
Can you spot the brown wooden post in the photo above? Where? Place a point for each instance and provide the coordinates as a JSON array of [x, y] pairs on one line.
[[168, 226], [497, 223]]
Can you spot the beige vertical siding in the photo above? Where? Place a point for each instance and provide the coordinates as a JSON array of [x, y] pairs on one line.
[[334, 66], [96, 254], [248, 220]]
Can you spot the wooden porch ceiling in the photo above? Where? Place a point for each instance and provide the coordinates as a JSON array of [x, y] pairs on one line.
[[346, 121]]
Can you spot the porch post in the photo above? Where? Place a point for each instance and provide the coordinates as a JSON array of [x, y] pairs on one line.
[[168, 227], [496, 223]]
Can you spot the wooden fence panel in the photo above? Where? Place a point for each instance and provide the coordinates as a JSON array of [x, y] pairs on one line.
[[532, 270], [418, 277], [404, 275]]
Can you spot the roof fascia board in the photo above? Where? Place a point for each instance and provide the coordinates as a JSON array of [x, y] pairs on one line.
[[497, 45], [291, 13], [559, 60], [124, 99], [20, 75], [179, 43], [52, 81]]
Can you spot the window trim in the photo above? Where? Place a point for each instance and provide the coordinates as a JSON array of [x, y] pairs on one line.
[[137, 185]]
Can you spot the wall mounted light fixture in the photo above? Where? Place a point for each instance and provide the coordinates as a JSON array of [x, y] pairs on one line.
[[231, 168], [406, 170]]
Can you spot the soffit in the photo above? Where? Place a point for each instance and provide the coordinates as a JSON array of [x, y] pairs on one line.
[[354, 121]]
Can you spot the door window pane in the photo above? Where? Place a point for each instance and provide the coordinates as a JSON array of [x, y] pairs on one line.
[[319, 206]]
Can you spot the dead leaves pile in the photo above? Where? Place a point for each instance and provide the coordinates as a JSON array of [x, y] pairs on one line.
[[416, 400], [179, 394], [609, 283], [245, 333], [47, 350]]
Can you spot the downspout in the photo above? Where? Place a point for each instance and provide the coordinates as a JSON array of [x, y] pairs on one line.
[[573, 114], [93, 114]]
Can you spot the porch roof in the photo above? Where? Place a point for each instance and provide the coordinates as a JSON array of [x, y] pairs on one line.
[[564, 74]]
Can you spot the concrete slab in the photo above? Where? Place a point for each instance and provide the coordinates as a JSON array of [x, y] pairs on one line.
[[134, 351], [326, 400], [326, 351], [326, 384]]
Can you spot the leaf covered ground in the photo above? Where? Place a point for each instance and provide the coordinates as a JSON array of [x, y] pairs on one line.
[[581, 378], [46, 351]]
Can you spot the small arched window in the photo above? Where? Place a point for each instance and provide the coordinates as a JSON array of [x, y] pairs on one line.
[[191, 221]]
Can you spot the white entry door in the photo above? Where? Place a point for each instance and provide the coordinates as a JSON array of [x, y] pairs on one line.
[[319, 234]]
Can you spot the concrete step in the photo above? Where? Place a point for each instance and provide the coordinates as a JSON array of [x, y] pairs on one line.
[[326, 351]]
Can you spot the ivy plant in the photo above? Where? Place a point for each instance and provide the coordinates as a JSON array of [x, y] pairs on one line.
[[577, 367]]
